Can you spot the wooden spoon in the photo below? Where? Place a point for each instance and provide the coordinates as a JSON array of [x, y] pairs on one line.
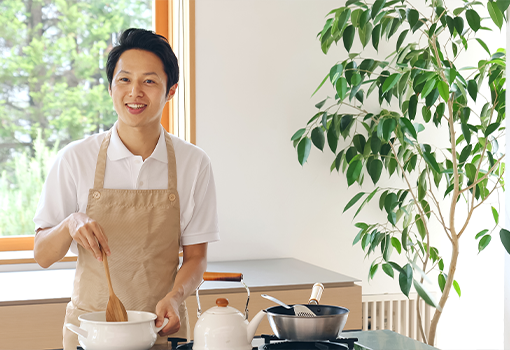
[[115, 311]]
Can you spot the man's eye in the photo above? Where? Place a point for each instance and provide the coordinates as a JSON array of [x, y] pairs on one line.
[[150, 81], [123, 79]]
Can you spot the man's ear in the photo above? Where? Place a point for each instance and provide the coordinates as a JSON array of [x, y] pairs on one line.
[[110, 90], [171, 92]]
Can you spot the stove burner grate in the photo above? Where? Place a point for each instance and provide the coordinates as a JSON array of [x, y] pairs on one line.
[[272, 342]]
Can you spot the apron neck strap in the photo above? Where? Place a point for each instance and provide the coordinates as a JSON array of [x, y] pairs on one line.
[[101, 161], [172, 164]]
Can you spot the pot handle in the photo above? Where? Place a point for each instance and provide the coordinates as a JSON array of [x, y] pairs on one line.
[[157, 329], [227, 277], [77, 330], [317, 290]]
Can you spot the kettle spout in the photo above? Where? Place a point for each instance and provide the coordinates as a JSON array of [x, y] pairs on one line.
[[252, 327]]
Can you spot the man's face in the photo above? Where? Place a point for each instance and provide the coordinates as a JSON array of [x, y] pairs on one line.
[[138, 89]]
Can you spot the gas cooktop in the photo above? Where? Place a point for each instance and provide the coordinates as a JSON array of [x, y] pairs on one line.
[[271, 342]]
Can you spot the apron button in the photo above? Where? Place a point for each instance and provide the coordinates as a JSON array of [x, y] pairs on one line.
[[97, 195], [171, 197]]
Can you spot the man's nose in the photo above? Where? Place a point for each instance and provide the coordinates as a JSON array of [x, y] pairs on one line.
[[136, 89]]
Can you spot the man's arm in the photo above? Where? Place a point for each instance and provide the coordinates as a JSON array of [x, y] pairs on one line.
[[51, 244], [189, 276]]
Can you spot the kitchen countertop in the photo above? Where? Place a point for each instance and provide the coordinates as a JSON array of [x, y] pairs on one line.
[[55, 285]]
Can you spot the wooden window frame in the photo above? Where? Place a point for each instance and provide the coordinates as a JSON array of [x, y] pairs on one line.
[[162, 12]]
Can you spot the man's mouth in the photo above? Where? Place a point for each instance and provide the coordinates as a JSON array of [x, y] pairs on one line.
[[135, 108]]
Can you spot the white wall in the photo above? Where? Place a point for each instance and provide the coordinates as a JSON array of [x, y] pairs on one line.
[[257, 64]]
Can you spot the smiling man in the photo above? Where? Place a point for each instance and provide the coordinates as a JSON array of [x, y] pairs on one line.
[[136, 192]]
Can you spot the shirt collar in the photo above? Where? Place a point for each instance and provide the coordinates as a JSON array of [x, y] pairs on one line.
[[117, 150]]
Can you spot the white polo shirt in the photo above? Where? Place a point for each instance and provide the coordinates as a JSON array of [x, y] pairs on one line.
[[72, 175]]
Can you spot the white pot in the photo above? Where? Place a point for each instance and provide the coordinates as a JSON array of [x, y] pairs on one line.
[[139, 333]]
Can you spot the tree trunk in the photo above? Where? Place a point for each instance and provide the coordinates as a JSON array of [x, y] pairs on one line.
[[446, 291]]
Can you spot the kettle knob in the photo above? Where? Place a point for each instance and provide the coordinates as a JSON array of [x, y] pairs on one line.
[[222, 302]]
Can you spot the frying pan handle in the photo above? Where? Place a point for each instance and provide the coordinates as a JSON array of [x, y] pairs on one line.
[[317, 290], [223, 276]]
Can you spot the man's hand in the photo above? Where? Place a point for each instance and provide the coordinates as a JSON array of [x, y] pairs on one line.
[[168, 307], [88, 233]]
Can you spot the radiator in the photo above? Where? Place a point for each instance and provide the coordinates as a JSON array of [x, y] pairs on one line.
[[397, 313]]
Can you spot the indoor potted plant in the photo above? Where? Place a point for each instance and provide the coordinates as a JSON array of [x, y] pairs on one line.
[[418, 87]]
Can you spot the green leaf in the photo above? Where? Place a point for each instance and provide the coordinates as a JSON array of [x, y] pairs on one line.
[[470, 172], [413, 104], [412, 17], [396, 244], [332, 139], [401, 38], [405, 279], [348, 37], [376, 36], [335, 72], [484, 45], [388, 269], [373, 270], [377, 6], [388, 127], [297, 135], [318, 88], [420, 226], [451, 25], [390, 202], [444, 90], [464, 155], [368, 199], [484, 242], [359, 142], [441, 280], [354, 171], [481, 233], [495, 214], [341, 87], [318, 138], [365, 34], [431, 160], [375, 143], [391, 81], [425, 295], [491, 128], [472, 89], [505, 239], [459, 24], [429, 86], [353, 201], [375, 170], [466, 132], [409, 127], [473, 19], [495, 13], [356, 79], [303, 150], [456, 286]]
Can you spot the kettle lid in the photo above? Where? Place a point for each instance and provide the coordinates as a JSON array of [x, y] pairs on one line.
[[222, 308]]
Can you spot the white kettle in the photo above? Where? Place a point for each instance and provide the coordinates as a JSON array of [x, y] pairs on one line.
[[223, 327]]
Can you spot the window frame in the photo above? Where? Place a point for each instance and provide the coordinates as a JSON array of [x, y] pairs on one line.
[[162, 12]]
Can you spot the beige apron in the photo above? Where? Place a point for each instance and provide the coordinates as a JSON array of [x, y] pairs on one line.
[[143, 230]]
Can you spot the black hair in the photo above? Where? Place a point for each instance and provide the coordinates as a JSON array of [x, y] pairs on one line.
[[142, 39]]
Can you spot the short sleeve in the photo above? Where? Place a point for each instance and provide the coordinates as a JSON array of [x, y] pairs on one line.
[[58, 197], [203, 225]]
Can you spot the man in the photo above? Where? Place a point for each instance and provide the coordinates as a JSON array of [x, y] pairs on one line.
[[136, 192]]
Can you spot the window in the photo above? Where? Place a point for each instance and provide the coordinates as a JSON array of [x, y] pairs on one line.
[[53, 88]]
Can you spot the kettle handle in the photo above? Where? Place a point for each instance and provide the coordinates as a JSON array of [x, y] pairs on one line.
[[227, 277], [223, 276]]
